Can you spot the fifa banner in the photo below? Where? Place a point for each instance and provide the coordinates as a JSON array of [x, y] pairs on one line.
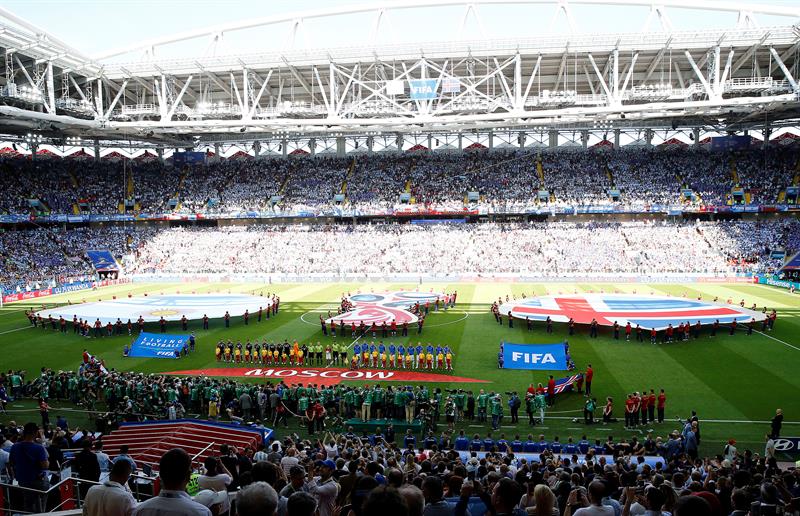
[[551, 357], [179, 159], [158, 345], [422, 89]]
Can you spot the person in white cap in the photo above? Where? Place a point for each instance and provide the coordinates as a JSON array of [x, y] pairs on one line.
[[214, 500]]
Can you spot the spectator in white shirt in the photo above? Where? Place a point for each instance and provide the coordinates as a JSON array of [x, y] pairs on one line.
[[112, 497], [216, 478], [175, 470], [289, 460], [323, 487]]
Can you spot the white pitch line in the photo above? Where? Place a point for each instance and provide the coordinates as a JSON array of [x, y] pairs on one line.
[[777, 340], [15, 329], [778, 290]]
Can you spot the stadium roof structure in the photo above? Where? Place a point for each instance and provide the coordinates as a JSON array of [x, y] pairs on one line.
[[660, 76]]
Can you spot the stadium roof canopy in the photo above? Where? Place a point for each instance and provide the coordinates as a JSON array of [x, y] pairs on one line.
[[653, 77]]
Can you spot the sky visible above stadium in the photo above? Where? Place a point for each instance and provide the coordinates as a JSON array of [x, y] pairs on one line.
[[97, 26]]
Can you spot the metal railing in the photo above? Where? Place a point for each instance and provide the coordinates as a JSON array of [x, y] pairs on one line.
[[17, 499]]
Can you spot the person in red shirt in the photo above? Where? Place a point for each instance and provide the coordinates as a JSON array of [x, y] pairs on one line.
[[628, 331], [394, 328], [662, 400], [637, 403], [588, 378], [531, 389], [651, 405], [643, 406], [669, 332], [630, 406], [653, 335], [551, 391]]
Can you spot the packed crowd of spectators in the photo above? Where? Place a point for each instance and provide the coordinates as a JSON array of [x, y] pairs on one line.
[[37, 258], [547, 249], [335, 471], [373, 183], [40, 257]]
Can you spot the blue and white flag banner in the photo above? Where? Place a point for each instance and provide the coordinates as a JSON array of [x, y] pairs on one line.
[[549, 357], [158, 345]]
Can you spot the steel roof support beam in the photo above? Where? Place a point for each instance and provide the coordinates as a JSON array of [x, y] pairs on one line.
[[656, 60], [235, 89], [126, 94], [561, 67], [534, 73], [300, 79], [624, 88], [748, 54], [257, 98], [601, 79], [50, 97], [178, 99], [113, 104], [699, 74], [25, 72], [725, 73], [785, 70], [77, 87]]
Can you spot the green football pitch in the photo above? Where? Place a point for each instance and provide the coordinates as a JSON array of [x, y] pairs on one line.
[[735, 383]]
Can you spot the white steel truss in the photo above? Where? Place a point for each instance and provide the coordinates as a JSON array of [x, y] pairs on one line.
[[657, 76]]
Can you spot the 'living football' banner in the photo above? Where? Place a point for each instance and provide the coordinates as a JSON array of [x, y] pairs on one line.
[[552, 357], [157, 345]]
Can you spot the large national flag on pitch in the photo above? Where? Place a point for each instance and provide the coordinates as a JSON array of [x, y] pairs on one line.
[[647, 311], [565, 384]]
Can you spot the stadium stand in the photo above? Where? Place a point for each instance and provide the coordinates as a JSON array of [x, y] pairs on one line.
[[504, 179]]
